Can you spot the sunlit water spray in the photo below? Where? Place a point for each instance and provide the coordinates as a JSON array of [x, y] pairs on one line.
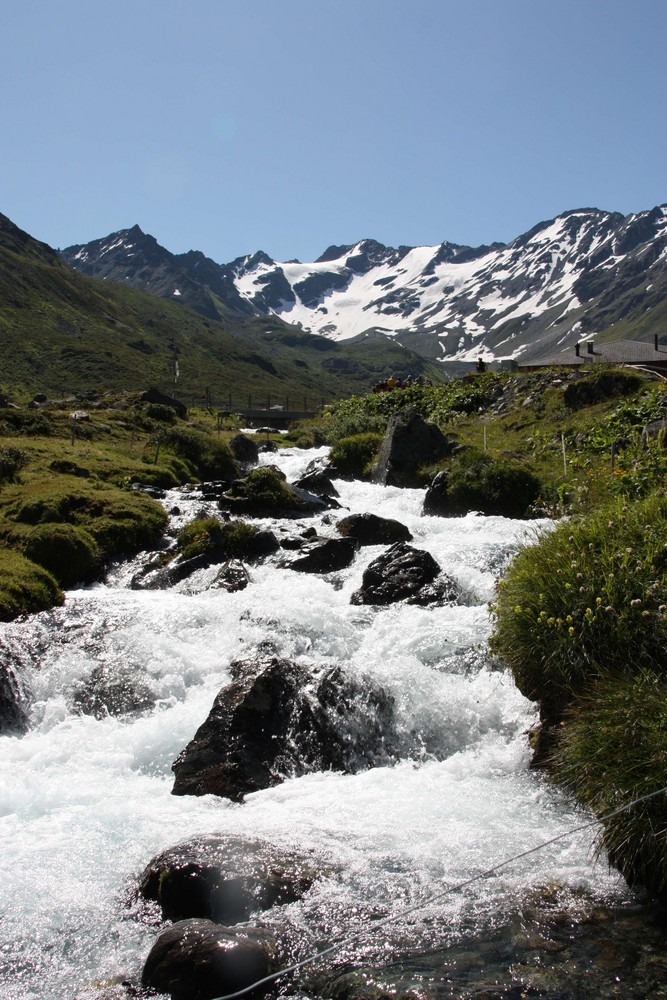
[[85, 803]]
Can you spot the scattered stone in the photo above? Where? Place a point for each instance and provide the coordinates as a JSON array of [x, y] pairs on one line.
[[197, 959], [279, 719], [369, 529], [225, 879], [404, 573]]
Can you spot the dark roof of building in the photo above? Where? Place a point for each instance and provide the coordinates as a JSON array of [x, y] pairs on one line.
[[618, 352]]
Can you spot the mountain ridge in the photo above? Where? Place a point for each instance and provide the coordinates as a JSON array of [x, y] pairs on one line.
[[585, 271]]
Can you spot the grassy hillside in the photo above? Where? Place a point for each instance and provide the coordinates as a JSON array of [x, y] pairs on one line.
[[62, 332]]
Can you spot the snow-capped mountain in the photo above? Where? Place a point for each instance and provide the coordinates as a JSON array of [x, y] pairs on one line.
[[584, 272]]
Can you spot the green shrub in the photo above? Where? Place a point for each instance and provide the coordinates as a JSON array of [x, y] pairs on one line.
[[229, 539], [477, 481], [158, 411], [25, 587], [206, 457], [12, 461], [352, 456], [70, 553], [613, 751], [587, 600]]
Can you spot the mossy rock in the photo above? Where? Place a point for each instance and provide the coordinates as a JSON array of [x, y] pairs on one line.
[[120, 521], [25, 587], [69, 553], [206, 457], [478, 482], [225, 539]]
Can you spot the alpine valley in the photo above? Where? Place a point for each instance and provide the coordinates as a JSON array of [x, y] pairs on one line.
[[585, 272]]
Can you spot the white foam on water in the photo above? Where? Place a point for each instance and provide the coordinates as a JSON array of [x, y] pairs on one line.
[[85, 802]]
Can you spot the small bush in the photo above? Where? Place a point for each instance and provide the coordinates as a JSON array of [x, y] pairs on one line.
[[12, 461], [267, 487], [352, 456], [229, 539], [207, 457], [613, 751], [69, 553], [587, 600], [25, 587], [162, 413], [478, 481]]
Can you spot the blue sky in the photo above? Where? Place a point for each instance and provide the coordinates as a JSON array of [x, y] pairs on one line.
[[289, 125]]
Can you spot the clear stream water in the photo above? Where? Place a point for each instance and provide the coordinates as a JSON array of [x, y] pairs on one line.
[[85, 803]]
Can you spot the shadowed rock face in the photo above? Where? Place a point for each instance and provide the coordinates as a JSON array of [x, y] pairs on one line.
[[13, 695], [409, 444], [279, 719]]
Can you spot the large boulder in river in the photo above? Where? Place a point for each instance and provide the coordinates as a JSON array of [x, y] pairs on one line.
[[370, 529], [265, 492], [410, 443], [225, 879], [279, 719], [404, 573], [198, 960]]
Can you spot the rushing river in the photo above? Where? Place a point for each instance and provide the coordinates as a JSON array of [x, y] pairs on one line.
[[86, 802]]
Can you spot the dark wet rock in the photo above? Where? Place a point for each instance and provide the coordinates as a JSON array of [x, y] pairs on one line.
[[404, 573], [324, 555], [14, 695], [151, 491], [225, 879], [266, 446], [244, 450], [215, 490], [156, 576], [279, 719], [318, 483], [410, 443], [112, 692], [198, 960], [232, 576], [369, 529], [436, 499], [155, 396]]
